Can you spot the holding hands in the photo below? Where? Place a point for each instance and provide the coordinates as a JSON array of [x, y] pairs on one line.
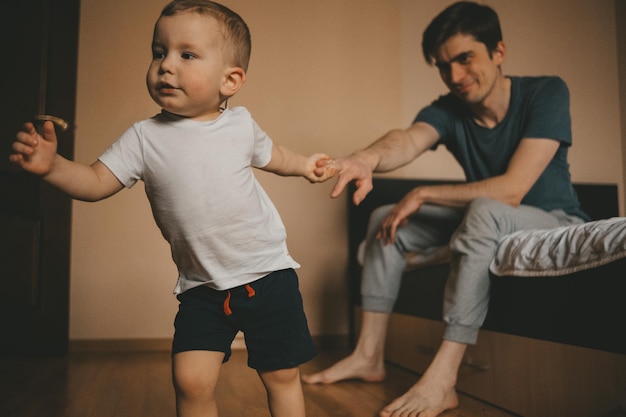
[[319, 168], [352, 168]]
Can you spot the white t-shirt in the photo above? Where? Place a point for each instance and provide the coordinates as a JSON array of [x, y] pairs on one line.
[[222, 227]]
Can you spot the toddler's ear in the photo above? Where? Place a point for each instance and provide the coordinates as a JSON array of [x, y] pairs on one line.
[[234, 79]]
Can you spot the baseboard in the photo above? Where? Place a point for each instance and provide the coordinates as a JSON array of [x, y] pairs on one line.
[[333, 341], [120, 345]]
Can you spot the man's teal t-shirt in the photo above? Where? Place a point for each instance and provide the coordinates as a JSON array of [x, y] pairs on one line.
[[539, 108]]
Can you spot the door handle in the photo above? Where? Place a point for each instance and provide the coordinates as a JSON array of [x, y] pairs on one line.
[[58, 122]]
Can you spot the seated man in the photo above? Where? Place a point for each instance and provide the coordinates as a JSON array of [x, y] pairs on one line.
[[511, 136]]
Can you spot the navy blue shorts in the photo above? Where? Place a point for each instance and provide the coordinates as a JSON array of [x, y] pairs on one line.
[[268, 311]]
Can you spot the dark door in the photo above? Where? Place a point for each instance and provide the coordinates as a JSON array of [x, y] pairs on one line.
[[38, 76]]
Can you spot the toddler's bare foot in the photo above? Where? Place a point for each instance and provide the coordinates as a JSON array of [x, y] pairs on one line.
[[351, 367], [425, 398]]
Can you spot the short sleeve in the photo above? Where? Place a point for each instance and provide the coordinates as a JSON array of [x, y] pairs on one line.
[[262, 153], [124, 157], [443, 115], [548, 111]]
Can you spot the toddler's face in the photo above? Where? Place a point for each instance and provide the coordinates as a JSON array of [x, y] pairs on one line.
[[187, 68]]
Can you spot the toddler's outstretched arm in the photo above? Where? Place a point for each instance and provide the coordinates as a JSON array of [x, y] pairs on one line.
[[288, 163], [38, 155]]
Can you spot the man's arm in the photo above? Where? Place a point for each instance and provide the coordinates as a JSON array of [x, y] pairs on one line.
[[38, 155], [530, 159], [526, 165], [395, 149]]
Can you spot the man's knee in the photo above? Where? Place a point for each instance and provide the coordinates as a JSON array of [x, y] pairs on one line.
[[377, 217], [484, 213], [482, 221], [483, 206]]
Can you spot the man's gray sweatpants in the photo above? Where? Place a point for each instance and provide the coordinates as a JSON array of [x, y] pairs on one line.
[[472, 235]]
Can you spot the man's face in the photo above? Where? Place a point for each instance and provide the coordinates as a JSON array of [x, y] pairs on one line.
[[467, 68]]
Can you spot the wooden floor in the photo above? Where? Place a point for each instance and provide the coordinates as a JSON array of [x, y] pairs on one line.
[[138, 384]]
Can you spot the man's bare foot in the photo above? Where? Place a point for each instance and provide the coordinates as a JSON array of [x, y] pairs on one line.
[[351, 367], [424, 399]]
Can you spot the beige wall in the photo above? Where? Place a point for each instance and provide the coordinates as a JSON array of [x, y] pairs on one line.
[[330, 76]]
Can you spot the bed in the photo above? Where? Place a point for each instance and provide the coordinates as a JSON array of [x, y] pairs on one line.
[[544, 311]]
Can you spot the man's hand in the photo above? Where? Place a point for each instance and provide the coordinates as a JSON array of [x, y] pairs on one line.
[[399, 215], [351, 168], [395, 149], [35, 153]]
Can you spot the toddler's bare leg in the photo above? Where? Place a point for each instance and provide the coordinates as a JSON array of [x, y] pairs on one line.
[[284, 392], [195, 375]]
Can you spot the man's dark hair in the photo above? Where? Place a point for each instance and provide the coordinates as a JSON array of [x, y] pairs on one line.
[[462, 18]]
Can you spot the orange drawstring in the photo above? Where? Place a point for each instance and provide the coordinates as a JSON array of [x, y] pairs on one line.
[[250, 290], [227, 310]]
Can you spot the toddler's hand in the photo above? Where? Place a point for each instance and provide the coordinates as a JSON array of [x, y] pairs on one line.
[[320, 168], [35, 153]]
